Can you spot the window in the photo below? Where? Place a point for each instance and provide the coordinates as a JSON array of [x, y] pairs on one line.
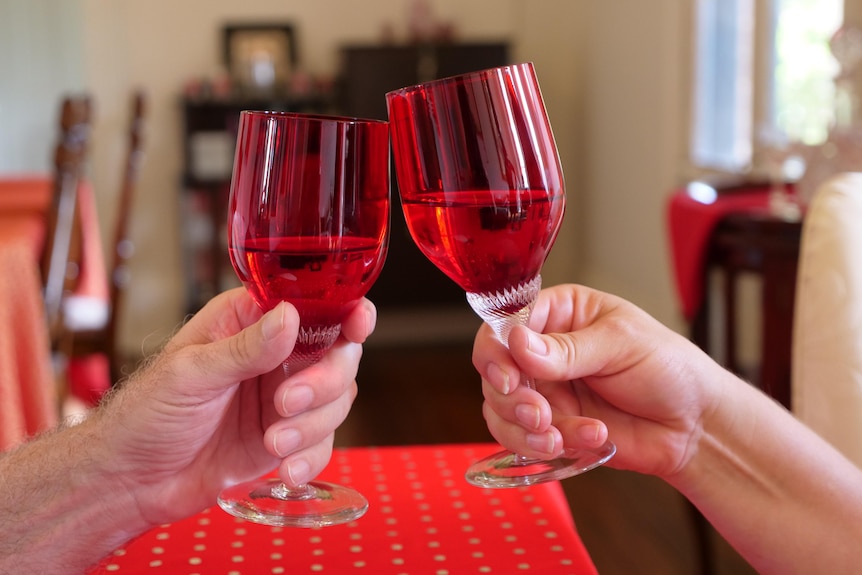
[[804, 95], [793, 100], [723, 101]]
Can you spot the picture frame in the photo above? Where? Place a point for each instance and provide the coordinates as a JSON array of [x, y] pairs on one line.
[[259, 57]]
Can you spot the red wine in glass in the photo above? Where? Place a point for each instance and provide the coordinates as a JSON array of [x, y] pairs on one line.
[[483, 195], [484, 240], [308, 223], [322, 277]]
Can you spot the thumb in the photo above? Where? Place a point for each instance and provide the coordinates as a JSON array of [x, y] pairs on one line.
[[253, 351], [556, 356]]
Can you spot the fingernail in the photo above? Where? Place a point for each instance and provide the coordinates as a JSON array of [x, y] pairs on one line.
[[298, 472], [285, 442], [499, 378], [370, 320], [296, 399], [528, 415], [543, 442], [537, 345], [273, 322], [589, 432]]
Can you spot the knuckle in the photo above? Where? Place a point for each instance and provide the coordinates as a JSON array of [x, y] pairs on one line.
[[239, 349]]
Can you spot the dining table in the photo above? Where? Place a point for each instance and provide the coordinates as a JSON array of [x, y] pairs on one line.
[[28, 402], [28, 390], [423, 519], [738, 230], [694, 211]]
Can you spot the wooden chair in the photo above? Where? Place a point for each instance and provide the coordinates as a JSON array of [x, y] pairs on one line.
[[62, 249], [102, 338], [766, 246]]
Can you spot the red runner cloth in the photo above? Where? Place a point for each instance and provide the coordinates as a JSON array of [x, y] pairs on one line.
[[693, 212], [28, 403], [423, 519], [28, 400]]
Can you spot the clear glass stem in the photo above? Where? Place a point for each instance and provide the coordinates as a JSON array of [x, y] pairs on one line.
[[311, 344], [503, 311], [299, 493], [269, 501]]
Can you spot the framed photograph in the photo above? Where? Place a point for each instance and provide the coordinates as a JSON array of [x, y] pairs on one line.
[[260, 57]]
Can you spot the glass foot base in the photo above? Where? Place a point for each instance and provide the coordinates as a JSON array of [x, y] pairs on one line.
[[507, 469], [268, 502]]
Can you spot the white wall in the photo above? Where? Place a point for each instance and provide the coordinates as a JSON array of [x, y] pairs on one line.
[[552, 34], [635, 146], [40, 58]]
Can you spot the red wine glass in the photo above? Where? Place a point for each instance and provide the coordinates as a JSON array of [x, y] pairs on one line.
[[307, 223], [483, 196]]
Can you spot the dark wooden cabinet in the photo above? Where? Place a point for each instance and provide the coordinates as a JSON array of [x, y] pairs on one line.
[[209, 137], [366, 73], [408, 279]]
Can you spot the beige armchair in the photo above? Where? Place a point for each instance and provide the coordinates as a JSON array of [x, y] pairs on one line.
[[827, 332]]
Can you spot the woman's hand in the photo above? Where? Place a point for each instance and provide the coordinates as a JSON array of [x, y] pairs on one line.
[[604, 369]]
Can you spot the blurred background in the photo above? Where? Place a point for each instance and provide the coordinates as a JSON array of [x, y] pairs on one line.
[[620, 80]]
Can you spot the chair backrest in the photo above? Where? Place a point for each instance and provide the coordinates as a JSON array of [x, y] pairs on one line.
[[729, 232], [61, 252], [123, 247], [827, 330]]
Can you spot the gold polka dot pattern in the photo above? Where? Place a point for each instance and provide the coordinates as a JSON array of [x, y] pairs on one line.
[[424, 519]]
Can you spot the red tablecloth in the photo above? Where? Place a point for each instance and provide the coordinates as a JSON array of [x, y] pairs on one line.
[[28, 400], [693, 212], [27, 396], [24, 201], [423, 519]]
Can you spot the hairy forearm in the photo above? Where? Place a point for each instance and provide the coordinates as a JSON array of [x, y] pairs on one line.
[[785, 499], [61, 511]]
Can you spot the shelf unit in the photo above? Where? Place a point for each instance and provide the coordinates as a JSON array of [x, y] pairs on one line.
[[209, 136], [366, 73]]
